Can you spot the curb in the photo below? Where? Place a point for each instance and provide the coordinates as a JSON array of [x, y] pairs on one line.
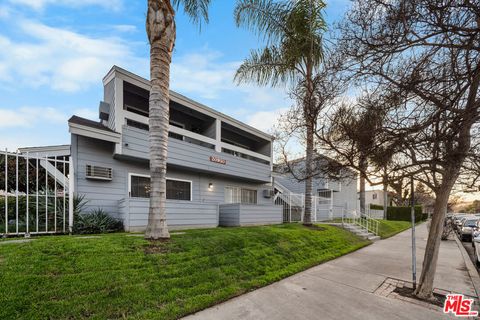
[[472, 271]]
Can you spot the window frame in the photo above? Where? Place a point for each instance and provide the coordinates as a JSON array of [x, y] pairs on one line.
[[130, 174], [240, 188]]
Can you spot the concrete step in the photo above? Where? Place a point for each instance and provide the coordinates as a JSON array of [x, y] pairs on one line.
[[359, 231]]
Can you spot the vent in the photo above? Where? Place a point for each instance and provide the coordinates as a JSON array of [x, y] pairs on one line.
[[99, 173]]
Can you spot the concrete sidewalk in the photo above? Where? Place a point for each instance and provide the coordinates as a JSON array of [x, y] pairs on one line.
[[344, 288]]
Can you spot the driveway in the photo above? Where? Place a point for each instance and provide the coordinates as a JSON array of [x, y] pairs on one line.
[[344, 288]]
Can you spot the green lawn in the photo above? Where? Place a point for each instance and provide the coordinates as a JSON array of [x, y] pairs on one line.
[[121, 276], [388, 228]]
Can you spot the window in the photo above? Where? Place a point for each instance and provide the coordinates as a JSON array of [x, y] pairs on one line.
[[240, 195], [374, 196], [179, 190], [136, 124], [139, 186], [176, 189]]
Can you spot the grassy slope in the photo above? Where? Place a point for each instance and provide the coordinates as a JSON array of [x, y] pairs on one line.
[[388, 228], [114, 276]]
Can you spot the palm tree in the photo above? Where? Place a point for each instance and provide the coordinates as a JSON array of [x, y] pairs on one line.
[[161, 32], [293, 31]]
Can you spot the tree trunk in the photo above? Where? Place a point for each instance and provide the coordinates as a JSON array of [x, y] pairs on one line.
[[363, 169], [307, 220], [385, 193], [429, 266], [161, 34]]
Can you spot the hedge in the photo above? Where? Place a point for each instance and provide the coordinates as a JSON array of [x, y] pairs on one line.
[[402, 213]]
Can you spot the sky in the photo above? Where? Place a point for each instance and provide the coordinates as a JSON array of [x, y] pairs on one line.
[[54, 54]]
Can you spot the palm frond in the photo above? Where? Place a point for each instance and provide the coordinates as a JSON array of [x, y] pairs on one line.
[[197, 10], [266, 66], [293, 30], [264, 18]]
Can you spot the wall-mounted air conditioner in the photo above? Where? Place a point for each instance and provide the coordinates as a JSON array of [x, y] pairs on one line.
[[98, 173], [268, 193]]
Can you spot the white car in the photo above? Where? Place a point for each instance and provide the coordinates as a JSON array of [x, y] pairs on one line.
[[466, 229], [476, 246]]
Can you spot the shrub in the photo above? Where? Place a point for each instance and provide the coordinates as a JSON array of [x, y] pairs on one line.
[[46, 212], [402, 213], [97, 221]]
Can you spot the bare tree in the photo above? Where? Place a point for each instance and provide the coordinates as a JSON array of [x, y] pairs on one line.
[[350, 136], [428, 54]]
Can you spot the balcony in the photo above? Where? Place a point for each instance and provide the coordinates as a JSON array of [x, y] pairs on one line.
[[197, 152]]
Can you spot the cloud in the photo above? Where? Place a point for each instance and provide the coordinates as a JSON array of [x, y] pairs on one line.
[[201, 73], [61, 59], [265, 120], [30, 117], [205, 75], [41, 4], [4, 12], [125, 28]]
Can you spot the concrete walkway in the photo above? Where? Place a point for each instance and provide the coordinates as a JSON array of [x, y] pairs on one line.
[[344, 288]]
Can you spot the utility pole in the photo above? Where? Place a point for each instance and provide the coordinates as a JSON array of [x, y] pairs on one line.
[[414, 257]]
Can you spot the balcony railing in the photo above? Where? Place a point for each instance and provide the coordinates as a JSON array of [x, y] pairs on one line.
[[207, 142]]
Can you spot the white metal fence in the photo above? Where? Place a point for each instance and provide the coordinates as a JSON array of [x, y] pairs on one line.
[[374, 213], [36, 194], [293, 204]]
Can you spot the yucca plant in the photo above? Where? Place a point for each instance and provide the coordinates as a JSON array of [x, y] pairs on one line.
[[97, 221]]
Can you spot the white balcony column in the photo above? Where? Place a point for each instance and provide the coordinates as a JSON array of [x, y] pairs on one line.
[[218, 135]]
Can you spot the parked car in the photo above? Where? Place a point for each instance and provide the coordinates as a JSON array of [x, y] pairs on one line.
[[465, 232], [458, 221], [475, 232], [476, 247]]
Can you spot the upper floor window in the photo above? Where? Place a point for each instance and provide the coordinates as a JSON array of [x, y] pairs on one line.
[[374, 196]]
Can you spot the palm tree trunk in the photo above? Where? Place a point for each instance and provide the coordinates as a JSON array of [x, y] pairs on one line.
[[161, 34], [307, 220]]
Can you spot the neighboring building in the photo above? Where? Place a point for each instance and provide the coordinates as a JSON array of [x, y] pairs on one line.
[[375, 197], [332, 197], [218, 168]]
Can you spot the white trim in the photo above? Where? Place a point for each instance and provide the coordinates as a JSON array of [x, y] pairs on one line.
[[90, 132], [241, 188], [129, 182], [245, 151], [60, 150], [118, 72]]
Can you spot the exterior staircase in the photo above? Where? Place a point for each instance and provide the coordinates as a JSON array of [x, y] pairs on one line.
[[360, 231]]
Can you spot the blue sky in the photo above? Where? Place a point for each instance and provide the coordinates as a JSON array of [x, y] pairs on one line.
[[54, 54]]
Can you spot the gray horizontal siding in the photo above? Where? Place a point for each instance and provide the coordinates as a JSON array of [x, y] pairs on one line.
[[180, 214], [260, 214], [181, 153], [229, 215], [236, 214]]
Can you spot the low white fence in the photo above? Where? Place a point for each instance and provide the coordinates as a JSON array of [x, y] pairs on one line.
[[36, 194], [374, 213], [294, 207]]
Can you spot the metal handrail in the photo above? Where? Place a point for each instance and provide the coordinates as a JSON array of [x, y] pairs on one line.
[[365, 222]]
